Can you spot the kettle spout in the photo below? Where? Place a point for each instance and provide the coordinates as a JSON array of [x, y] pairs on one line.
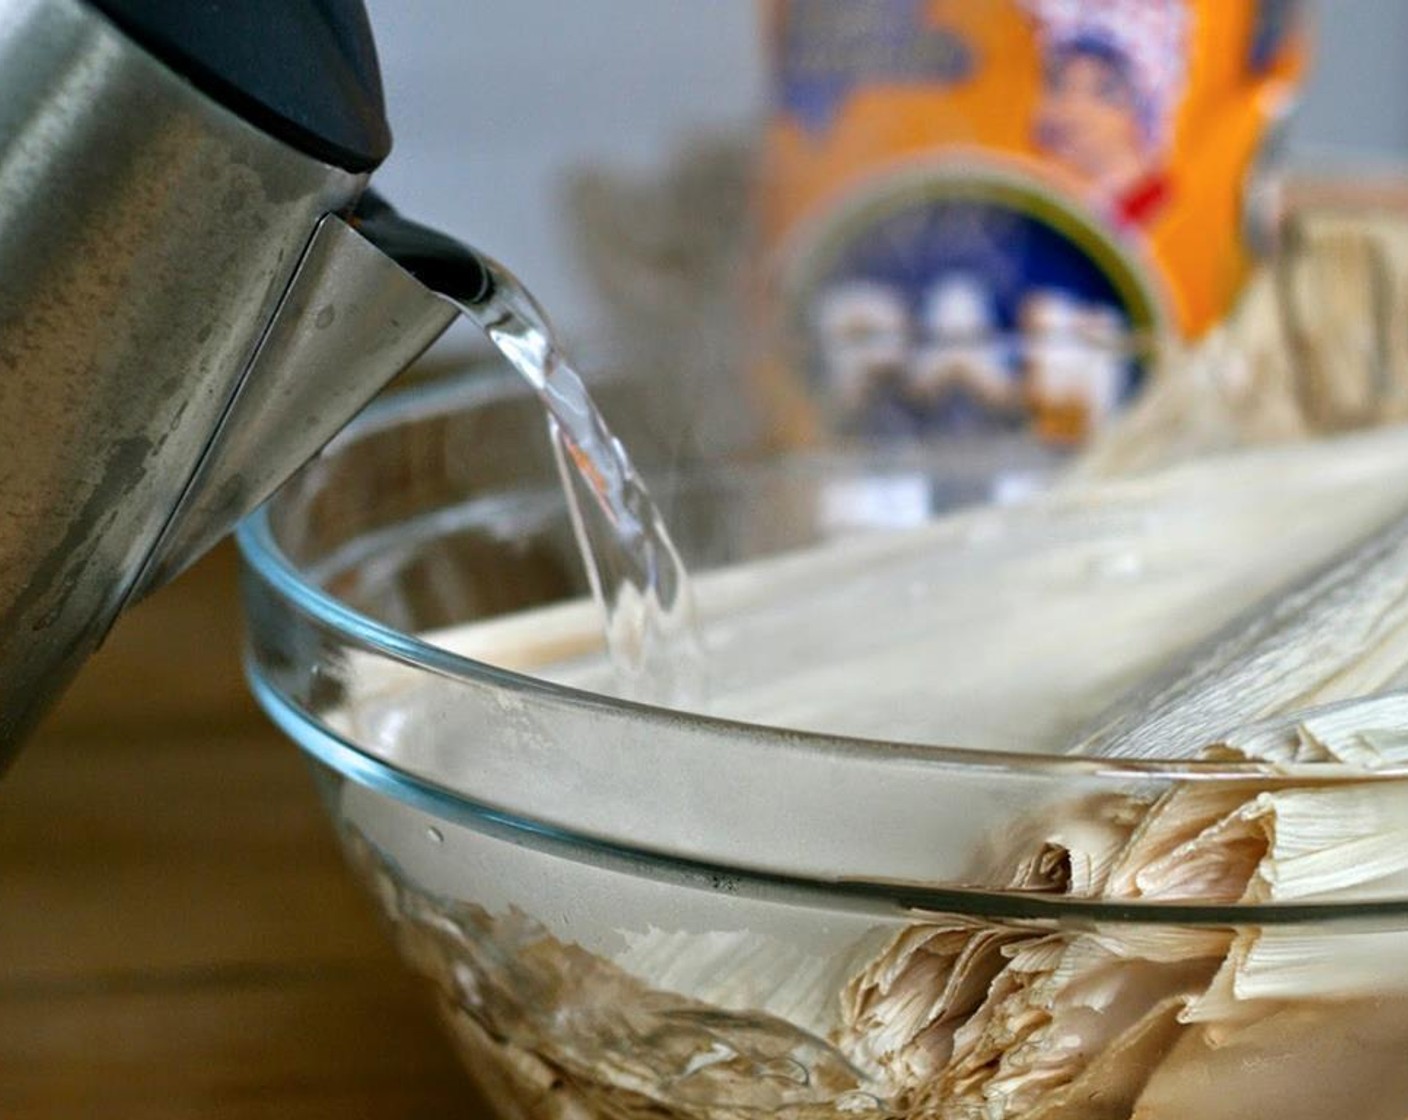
[[351, 319]]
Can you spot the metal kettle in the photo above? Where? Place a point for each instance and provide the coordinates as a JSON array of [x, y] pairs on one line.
[[195, 295]]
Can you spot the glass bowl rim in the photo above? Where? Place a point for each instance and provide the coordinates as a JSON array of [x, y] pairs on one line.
[[267, 560], [909, 901], [262, 552]]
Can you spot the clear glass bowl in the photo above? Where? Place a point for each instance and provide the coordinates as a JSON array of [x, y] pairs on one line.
[[634, 912]]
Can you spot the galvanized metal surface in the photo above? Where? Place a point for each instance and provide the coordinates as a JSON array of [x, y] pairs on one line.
[[351, 318], [146, 237]]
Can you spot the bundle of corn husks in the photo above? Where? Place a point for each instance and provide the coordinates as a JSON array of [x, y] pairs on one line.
[[1162, 1019], [962, 631]]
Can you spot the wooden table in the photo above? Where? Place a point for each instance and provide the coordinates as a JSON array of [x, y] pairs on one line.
[[178, 935]]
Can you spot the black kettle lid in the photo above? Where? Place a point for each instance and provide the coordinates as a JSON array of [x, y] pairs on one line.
[[304, 71]]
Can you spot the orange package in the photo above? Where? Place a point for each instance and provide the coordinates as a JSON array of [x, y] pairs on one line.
[[981, 216]]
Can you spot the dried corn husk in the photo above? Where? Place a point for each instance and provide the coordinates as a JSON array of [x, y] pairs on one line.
[[1316, 345], [1343, 633], [1027, 1048]]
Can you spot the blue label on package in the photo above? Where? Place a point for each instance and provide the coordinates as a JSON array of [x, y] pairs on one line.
[[971, 304], [1275, 19]]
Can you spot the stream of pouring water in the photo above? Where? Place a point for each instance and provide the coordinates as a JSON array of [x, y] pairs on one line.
[[634, 569]]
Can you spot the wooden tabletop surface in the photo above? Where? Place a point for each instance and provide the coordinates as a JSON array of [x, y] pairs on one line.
[[178, 934]]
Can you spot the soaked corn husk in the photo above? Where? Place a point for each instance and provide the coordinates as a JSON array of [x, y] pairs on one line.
[[960, 631], [1061, 1012], [955, 1016], [960, 1017], [1061, 1002]]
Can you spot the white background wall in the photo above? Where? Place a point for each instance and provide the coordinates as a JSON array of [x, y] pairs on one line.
[[491, 100]]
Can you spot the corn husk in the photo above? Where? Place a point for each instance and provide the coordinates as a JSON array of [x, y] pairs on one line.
[[961, 631], [552, 1032], [1340, 634], [739, 968], [1057, 1005], [1057, 1001], [958, 1017], [1214, 844], [1315, 346]]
